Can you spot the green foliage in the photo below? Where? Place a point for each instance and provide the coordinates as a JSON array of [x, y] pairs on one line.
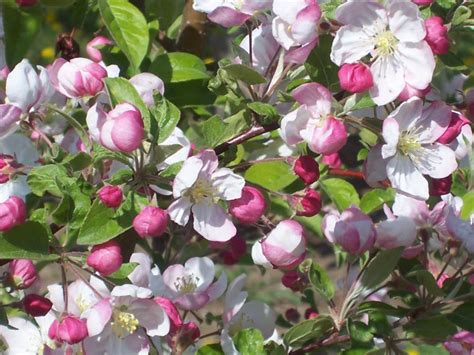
[[178, 67], [319, 279], [166, 115], [274, 175], [436, 327], [249, 342], [210, 349], [311, 329], [462, 316], [374, 199], [244, 73], [468, 205], [341, 192], [320, 67], [380, 267]]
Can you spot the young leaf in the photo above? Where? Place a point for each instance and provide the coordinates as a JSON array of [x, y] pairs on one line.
[[320, 280], [311, 329], [167, 116], [375, 199], [245, 74], [249, 342], [271, 175], [341, 192], [380, 267], [177, 67]]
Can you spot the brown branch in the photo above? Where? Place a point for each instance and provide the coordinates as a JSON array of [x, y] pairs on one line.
[[346, 173]]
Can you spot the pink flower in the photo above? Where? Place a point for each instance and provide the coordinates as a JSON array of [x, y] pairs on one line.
[[105, 258], [395, 231], [294, 280], [355, 77], [36, 305], [307, 169], [437, 35], [12, 213], [191, 286], [151, 222], [22, 273], [409, 92], [461, 343], [172, 313], [111, 196], [423, 2], [332, 160], [454, 128], [352, 230], [119, 130], [284, 247], [8, 167], [310, 313], [249, 207], [93, 51], [147, 85], [78, 77], [232, 250], [70, 329], [312, 121], [307, 205]]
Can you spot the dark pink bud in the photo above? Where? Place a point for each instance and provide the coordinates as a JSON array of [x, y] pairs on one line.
[[292, 315], [184, 336], [71, 330], [294, 280], [441, 186], [423, 2], [36, 305], [22, 273], [355, 77], [249, 207], [111, 196], [12, 213], [307, 169], [308, 205], [454, 128], [310, 313], [236, 248], [105, 258], [332, 160], [93, 51], [171, 311], [151, 222], [8, 167], [437, 35], [26, 2]]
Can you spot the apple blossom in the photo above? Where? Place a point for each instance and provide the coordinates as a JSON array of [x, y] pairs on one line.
[[462, 230], [307, 169], [355, 77], [191, 286], [93, 51], [36, 305], [22, 273], [111, 196], [352, 230], [437, 35], [395, 231], [312, 121], [461, 343], [394, 37], [264, 47], [249, 207], [105, 258], [151, 222], [12, 213], [308, 204], [423, 2], [332, 160], [199, 185], [70, 330], [147, 84], [457, 122], [294, 280], [284, 247], [411, 150]]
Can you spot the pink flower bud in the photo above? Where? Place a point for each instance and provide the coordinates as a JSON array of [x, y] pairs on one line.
[[123, 129], [151, 222], [171, 311], [409, 91], [26, 2], [12, 213], [230, 251], [328, 138], [454, 129], [352, 230], [355, 77], [437, 35], [292, 315], [332, 160], [8, 167], [4, 73], [93, 51], [307, 169], [310, 313], [105, 258], [284, 247], [36, 305], [249, 207], [308, 205], [111, 196], [22, 273], [70, 330], [184, 336], [423, 2], [441, 186], [78, 77], [294, 280]]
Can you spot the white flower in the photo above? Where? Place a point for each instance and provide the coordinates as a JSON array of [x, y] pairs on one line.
[[411, 150], [198, 187], [394, 37]]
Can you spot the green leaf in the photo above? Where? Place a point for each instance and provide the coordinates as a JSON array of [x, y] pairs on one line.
[[437, 327], [178, 67], [320, 67], [379, 324], [381, 307], [311, 329], [360, 332], [58, 3], [45, 178], [102, 223], [453, 61], [446, 4], [267, 112], [320, 280], [26, 241], [167, 116], [328, 8], [78, 162], [468, 205], [245, 74], [358, 102], [210, 349], [273, 176], [425, 278], [249, 342], [121, 275], [22, 26], [462, 316], [120, 90], [380, 267], [461, 14], [375, 199], [341, 192], [165, 11], [128, 28]]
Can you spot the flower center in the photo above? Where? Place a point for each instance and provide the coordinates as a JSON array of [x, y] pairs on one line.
[[201, 191], [186, 284], [385, 43], [123, 323], [408, 143]]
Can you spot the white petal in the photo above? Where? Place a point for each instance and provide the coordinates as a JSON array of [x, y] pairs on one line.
[[203, 269], [228, 185], [436, 160], [391, 135], [351, 44], [23, 87], [388, 75], [365, 14], [282, 34], [406, 22], [258, 257], [151, 316], [234, 298], [408, 113], [180, 210], [406, 178], [434, 121], [418, 63], [213, 223], [217, 289], [293, 123], [141, 274], [187, 176]]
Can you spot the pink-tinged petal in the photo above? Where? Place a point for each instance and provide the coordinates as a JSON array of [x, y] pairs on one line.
[[128, 131], [213, 223], [347, 237], [192, 301], [375, 167], [95, 119], [187, 176], [395, 233], [406, 178], [203, 269], [315, 96], [405, 22], [23, 87], [227, 184], [151, 316], [389, 80], [361, 14], [209, 163], [436, 160], [217, 289], [293, 123], [228, 17], [9, 116], [93, 51], [140, 276], [413, 251], [351, 44], [298, 55], [234, 298], [180, 210], [418, 63], [146, 85], [131, 291], [53, 70], [173, 273], [434, 122], [106, 135], [408, 113], [207, 6], [282, 33], [304, 30], [258, 257], [391, 135], [328, 224], [410, 207], [289, 10], [328, 138], [257, 315], [98, 316]]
